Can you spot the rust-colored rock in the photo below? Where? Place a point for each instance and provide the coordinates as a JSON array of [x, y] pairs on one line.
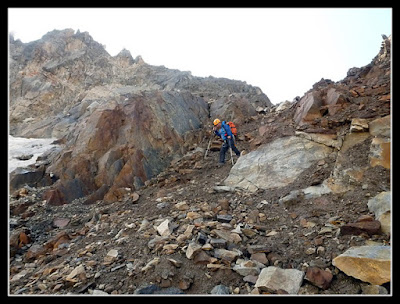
[[54, 197], [319, 277], [369, 227]]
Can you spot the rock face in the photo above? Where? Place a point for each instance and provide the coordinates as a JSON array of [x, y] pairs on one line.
[[122, 121], [125, 143]]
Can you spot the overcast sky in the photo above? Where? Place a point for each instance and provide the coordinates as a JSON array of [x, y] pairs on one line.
[[282, 51]]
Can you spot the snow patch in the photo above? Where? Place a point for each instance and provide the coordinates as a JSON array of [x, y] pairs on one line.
[[18, 146]]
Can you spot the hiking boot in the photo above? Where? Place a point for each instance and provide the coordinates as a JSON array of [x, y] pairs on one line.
[[220, 165]]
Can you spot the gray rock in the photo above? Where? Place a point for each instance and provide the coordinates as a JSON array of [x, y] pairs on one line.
[[148, 289], [274, 278], [224, 218], [220, 289], [380, 203], [25, 176], [276, 164]]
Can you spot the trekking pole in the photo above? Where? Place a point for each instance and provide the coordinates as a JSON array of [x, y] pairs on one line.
[[208, 147], [230, 149]]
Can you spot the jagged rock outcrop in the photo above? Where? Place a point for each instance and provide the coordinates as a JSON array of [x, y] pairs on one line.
[[358, 91], [50, 77], [349, 120]]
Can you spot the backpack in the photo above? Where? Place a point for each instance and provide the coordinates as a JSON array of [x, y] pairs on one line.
[[233, 128]]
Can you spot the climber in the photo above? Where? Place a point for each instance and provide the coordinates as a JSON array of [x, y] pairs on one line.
[[223, 130]]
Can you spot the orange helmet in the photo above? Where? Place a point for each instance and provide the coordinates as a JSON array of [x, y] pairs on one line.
[[216, 121]]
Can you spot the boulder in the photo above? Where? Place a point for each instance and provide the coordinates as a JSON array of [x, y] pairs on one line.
[[369, 227], [276, 164], [380, 152], [25, 176], [273, 278], [367, 263], [308, 108], [380, 127], [380, 205]]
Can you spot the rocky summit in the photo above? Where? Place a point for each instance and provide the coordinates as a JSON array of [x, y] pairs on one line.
[[131, 201]]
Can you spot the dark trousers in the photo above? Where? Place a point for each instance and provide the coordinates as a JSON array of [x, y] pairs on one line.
[[229, 142]]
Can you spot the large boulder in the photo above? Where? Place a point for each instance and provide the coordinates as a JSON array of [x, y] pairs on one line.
[[315, 103], [276, 164]]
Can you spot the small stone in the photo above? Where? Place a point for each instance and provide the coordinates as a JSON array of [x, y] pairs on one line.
[[185, 283], [224, 218], [310, 250], [134, 197], [60, 222], [369, 227], [207, 247], [182, 206], [218, 243], [150, 264], [225, 255], [192, 249], [201, 238], [274, 278], [260, 257], [220, 289], [97, 292], [77, 271], [258, 248], [373, 289], [201, 257], [176, 263], [113, 253], [224, 203], [250, 279], [319, 277], [320, 250], [164, 229], [246, 268], [193, 215], [272, 233]]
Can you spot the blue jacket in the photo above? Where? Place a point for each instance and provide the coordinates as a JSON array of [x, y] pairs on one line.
[[224, 132]]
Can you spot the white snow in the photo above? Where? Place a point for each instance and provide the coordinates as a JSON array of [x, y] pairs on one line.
[[18, 146]]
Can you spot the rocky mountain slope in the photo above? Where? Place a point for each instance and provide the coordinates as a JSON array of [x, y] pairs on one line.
[[136, 208], [120, 120]]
